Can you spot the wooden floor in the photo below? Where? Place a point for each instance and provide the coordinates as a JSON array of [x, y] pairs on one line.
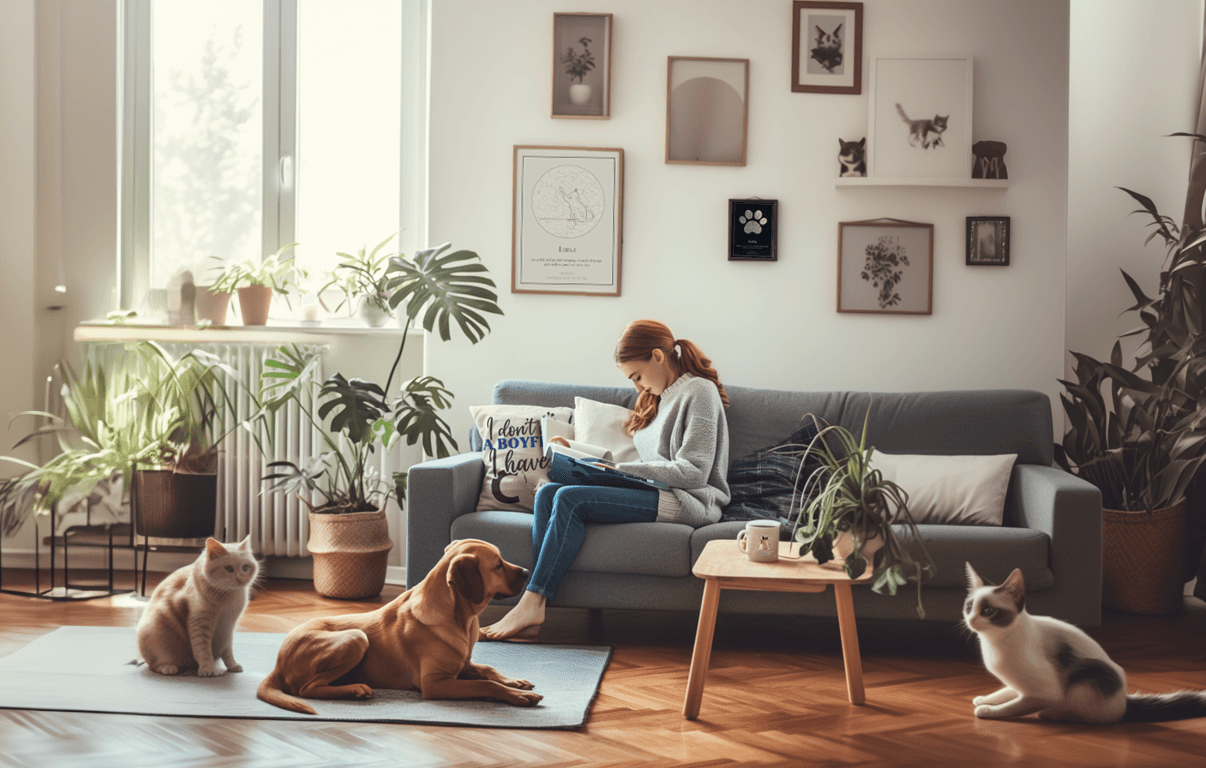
[[775, 695]]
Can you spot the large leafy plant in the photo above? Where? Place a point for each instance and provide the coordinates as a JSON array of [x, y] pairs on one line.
[[846, 494], [354, 416]]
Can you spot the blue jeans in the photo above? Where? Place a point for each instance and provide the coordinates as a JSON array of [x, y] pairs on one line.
[[559, 525]]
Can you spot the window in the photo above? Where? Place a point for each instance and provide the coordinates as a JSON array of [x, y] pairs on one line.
[[247, 126]]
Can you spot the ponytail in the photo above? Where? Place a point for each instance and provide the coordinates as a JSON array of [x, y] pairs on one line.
[[638, 341]]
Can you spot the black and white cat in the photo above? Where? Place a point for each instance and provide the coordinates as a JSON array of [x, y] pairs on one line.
[[828, 49], [1053, 668], [852, 157], [926, 133]]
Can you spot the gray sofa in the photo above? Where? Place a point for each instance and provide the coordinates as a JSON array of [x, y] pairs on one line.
[[1052, 528]]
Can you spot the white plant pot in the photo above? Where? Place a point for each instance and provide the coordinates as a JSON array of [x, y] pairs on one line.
[[373, 313], [843, 545], [579, 93]]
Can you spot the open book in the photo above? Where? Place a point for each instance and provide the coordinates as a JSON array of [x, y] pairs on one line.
[[551, 429], [572, 470]]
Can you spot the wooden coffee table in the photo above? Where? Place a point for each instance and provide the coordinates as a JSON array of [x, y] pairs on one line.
[[723, 566]]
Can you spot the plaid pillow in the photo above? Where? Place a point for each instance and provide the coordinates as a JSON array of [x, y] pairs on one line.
[[763, 484]]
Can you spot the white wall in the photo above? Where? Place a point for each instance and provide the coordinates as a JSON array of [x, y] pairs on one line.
[[1133, 68], [775, 324], [18, 227]]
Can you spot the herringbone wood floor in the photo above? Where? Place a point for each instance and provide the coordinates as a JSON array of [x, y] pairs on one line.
[[775, 695]]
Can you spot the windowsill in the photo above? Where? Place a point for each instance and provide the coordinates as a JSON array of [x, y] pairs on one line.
[[273, 333]]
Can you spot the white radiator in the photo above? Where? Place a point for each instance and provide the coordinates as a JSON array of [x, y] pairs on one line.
[[278, 525]]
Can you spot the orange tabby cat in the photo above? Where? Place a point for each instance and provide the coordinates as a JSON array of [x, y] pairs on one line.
[[191, 617]]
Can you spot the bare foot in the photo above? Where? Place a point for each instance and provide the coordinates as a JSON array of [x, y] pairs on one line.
[[527, 615]]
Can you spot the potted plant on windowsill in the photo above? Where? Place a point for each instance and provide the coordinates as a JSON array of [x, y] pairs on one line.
[[256, 280], [349, 536], [847, 511], [364, 282]]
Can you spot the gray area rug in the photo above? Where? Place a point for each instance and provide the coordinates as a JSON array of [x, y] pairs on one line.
[[91, 669]]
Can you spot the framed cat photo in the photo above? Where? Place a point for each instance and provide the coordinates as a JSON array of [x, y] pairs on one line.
[[988, 241], [919, 117], [826, 47], [885, 266], [753, 230]]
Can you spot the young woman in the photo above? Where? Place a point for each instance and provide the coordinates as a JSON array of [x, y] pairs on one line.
[[680, 432]]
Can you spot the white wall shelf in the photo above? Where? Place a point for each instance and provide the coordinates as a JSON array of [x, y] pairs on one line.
[[920, 181]]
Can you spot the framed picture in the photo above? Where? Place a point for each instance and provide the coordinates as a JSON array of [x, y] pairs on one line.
[[885, 266], [988, 241], [566, 220], [582, 65], [826, 47], [919, 117], [707, 110], [753, 230]]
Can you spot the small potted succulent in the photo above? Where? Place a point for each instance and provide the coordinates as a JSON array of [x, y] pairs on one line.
[[847, 510], [577, 65], [256, 280]]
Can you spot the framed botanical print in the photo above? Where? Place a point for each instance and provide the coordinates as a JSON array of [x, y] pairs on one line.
[[753, 230], [826, 47], [885, 266], [988, 241], [582, 65], [567, 220], [919, 117]]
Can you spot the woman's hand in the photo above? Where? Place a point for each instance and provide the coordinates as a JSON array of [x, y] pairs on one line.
[[560, 441]]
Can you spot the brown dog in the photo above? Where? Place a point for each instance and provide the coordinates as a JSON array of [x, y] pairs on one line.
[[421, 640]]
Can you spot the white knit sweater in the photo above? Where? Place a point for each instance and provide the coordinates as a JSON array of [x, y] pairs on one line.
[[686, 446]]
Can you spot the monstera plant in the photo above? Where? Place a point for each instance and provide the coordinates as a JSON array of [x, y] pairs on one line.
[[355, 417]]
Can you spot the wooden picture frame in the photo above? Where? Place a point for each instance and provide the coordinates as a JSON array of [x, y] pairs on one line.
[[885, 266], [707, 110], [581, 83], [826, 47], [753, 230], [988, 241], [567, 207], [919, 117]]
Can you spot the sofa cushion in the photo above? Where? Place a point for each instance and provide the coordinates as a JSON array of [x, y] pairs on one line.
[[950, 490], [763, 484], [513, 453], [997, 550], [602, 424], [647, 549]]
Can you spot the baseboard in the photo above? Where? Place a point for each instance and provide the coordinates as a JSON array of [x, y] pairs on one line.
[[396, 575]]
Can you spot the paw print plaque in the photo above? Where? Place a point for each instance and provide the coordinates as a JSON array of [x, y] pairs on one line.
[[752, 230]]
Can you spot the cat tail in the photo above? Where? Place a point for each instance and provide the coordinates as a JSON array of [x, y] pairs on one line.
[[1161, 707], [903, 116], [270, 691]]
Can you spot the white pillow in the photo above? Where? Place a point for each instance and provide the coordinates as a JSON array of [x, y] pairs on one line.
[[950, 490], [602, 424]]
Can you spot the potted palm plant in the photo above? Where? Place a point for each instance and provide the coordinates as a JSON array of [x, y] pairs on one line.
[[847, 511], [349, 537], [256, 280]]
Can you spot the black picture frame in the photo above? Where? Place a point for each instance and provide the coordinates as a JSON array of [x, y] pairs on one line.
[[753, 230], [988, 241]]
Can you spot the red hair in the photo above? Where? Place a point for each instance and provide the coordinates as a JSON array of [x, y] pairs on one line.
[[637, 344]]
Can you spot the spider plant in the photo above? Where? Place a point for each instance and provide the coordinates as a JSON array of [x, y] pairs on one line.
[[846, 494], [355, 416]]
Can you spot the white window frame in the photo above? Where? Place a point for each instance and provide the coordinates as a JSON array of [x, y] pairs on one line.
[[278, 195]]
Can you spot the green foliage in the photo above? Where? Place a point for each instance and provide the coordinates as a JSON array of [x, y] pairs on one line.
[[362, 275], [275, 271], [443, 286], [577, 65], [847, 494]]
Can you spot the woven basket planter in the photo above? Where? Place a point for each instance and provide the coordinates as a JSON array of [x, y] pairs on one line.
[[175, 505], [351, 553], [1141, 560]]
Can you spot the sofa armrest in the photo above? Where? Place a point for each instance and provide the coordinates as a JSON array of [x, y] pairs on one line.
[[1068, 510], [438, 492]]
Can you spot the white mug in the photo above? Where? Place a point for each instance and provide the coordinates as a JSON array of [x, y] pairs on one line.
[[759, 540]]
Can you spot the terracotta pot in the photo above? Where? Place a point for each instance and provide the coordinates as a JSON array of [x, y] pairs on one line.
[[1141, 560], [254, 301], [212, 305], [351, 553]]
